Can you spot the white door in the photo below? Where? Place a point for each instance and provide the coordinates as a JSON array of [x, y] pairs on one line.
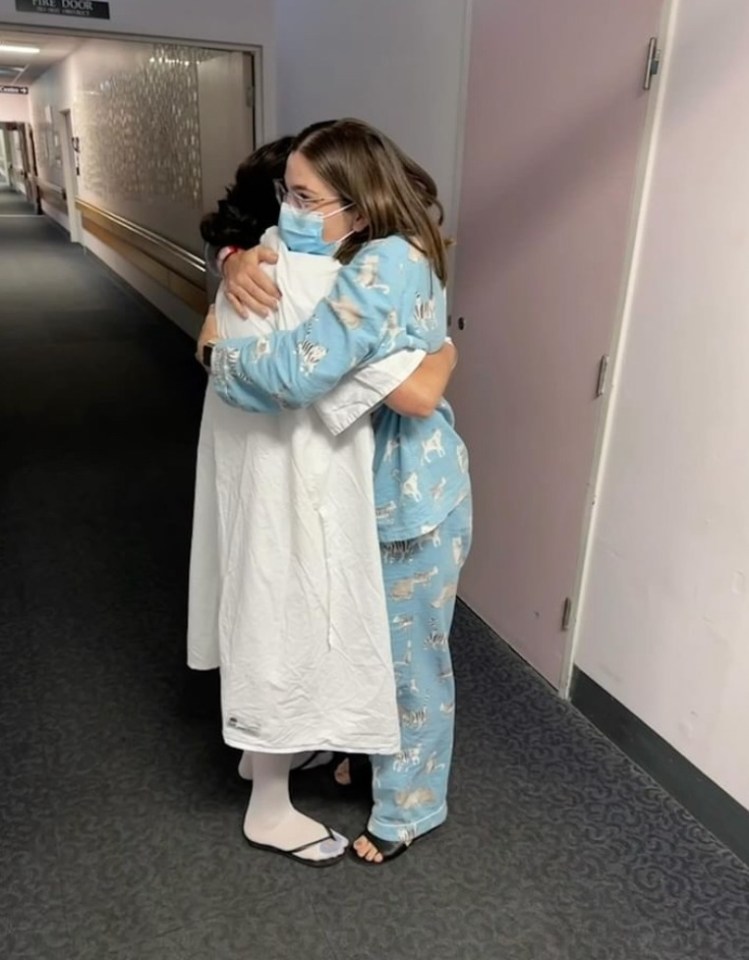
[[554, 128]]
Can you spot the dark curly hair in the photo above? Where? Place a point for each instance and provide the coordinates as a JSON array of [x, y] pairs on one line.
[[250, 206]]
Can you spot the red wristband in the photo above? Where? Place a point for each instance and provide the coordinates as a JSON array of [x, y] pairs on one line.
[[224, 254]]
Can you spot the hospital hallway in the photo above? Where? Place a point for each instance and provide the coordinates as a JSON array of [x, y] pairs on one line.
[[120, 809]]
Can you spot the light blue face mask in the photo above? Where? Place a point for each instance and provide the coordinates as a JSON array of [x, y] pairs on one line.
[[302, 230]]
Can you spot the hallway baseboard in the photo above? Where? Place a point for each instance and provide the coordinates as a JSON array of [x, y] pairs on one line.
[[127, 275], [697, 793]]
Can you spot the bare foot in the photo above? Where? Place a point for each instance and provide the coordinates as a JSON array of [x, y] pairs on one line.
[[343, 773], [366, 850]]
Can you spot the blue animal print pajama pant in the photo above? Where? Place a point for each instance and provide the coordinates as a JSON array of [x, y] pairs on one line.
[[421, 580]]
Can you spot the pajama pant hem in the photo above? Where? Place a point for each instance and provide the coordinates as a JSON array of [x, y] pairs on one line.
[[414, 828]]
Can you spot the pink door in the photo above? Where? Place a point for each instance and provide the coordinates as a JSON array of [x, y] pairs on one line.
[[554, 128]]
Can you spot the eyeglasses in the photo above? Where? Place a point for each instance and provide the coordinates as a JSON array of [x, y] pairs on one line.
[[284, 195]]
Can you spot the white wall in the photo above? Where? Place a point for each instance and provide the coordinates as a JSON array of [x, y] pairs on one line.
[[664, 624], [14, 108], [395, 63]]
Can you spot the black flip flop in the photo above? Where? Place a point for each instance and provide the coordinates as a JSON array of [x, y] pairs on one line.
[[292, 854], [388, 849]]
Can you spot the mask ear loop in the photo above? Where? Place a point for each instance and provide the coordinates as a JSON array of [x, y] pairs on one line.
[[339, 243], [325, 216]]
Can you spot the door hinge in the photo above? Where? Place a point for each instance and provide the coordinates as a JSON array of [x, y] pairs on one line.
[[653, 63], [567, 613], [603, 376]]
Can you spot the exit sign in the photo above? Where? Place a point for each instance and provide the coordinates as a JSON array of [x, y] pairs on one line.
[[95, 9]]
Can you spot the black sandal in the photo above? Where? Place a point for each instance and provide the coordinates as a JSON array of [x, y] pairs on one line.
[[388, 849]]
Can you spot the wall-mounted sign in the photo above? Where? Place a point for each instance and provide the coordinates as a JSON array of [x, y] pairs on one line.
[[95, 9], [11, 88]]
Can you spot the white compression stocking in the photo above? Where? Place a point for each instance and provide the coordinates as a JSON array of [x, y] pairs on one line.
[[271, 819]]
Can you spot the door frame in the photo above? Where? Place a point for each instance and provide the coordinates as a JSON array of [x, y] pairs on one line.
[[64, 126], [28, 173], [603, 434], [34, 166]]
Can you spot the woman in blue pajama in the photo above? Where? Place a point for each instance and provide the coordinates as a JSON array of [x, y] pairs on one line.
[[389, 296]]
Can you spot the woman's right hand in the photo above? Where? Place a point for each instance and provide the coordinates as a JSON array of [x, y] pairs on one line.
[[247, 286]]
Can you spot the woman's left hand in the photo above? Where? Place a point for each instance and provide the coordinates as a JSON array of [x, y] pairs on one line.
[[208, 334]]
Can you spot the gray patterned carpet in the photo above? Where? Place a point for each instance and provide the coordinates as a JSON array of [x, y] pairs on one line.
[[120, 811]]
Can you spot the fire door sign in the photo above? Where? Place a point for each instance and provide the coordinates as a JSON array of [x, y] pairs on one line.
[[94, 9]]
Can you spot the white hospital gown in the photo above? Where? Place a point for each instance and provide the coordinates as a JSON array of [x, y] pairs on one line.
[[286, 591]]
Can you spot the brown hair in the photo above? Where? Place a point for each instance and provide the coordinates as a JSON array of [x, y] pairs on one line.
[[389, 189]]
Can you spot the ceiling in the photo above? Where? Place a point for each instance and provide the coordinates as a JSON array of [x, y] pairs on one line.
[[23, 68]]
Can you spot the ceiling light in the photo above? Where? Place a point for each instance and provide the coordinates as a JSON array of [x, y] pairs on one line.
[[18, 48]]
